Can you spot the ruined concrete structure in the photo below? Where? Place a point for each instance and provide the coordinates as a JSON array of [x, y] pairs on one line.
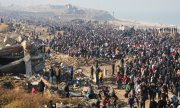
[[17, 58]]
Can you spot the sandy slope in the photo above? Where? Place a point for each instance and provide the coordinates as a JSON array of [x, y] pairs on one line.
[[3, 27]]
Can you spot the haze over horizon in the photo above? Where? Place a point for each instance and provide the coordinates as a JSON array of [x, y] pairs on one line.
[[161, 11]]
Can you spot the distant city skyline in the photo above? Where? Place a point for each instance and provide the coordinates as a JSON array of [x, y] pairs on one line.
[[162, 11]]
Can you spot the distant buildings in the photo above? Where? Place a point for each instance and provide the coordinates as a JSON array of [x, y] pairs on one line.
[[170, 29]]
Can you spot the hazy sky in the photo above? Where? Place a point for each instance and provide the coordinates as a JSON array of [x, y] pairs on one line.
[[166, 11]]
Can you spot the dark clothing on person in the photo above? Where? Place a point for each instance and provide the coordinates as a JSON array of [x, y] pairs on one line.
[[144, 91], [71, 72], [113, 67], [52, 72], [50, 104], [66, 89], [51, 75], [131, 102], [161, 104], [97, 64], [41, 86], [97, 76], [153, 104], [152, 91], [92, 72]]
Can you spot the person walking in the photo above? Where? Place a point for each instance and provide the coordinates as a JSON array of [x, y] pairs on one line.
[[58, 73], [105, 72], [66, 90], [118, 69], [131, 101], [97, 64], [41, 87], [51, 75], [141, 100], [119, 83], [127, 90], [92, 73], [33, 91], [113, 67], [97, 75], [71, 72], [101, 77]]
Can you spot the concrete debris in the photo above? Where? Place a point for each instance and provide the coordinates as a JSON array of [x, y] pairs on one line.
[[26, 45], [9, 41], [35, 83], [16, 77], [73, 94], [21, 38], [39, 67], [27, 58], [33, 78], [9, 50], [7, 45]]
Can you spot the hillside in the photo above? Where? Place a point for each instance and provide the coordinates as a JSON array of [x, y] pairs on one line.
[[67, 12]]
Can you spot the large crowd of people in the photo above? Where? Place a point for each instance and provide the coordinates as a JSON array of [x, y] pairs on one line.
[[152, 71]]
